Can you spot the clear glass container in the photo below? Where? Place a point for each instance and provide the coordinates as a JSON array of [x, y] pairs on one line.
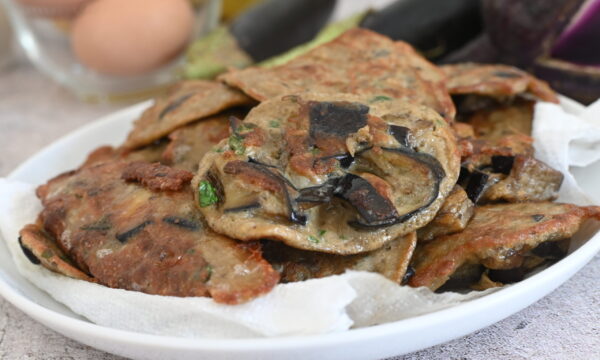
[[44, 35]]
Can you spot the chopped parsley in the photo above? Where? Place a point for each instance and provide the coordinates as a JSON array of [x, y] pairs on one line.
[[315, 151], [274, 123], [207, 194], [313, 239], [379, 98], [47, 254], [317, 239], [236, 143], [343, 237]]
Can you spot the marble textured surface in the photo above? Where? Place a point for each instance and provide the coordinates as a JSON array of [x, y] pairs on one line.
[[34, 112]]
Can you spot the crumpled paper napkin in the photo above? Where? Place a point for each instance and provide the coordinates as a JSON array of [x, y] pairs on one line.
[[332, 304]]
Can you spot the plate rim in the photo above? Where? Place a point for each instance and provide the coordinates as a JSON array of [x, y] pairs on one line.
[[563, 268]]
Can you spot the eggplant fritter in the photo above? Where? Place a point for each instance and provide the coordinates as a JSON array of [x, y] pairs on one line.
[[106, 153], [496, 123], [454, 215], [358, 62], [184, 103], [391, 260], [41, 248], [299, 166], [495, 237], [500, 81], [127, 236], [188, 144], [529, 180]]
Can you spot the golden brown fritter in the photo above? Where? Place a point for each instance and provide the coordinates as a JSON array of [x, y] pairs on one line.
[[494, 235], [184, 103], [41, 248], [130, 237], [302, 165], [391, 260], [499, 81], [358, 62], [189, 144], [453, 216]]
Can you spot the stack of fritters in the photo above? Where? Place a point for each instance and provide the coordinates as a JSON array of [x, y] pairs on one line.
[[352, 156]]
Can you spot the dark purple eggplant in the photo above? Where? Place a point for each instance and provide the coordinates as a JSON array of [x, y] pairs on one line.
[[402, 134], [274, 26], [502, 164], [435, 27], [337, 119], [373, 209]]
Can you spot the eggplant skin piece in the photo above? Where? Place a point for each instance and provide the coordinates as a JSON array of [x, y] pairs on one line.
[[274, 26], [497, 232], [391, 260], [347, 207], [130, 237]]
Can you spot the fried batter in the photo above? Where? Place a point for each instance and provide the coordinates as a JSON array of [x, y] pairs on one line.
[[358, 62], [42, 249], [454, 215], [499, 81], [287, 173], [184, 103], [130, 237], [529, 180], [298, 265], [495, 234], [189, 143]]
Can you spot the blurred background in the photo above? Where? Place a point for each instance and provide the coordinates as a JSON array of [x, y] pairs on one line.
[[123, 51]]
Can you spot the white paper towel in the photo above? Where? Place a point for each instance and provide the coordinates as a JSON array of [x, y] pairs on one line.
[[336, 303]]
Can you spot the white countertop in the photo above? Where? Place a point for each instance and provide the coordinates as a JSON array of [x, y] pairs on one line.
[[34, 112]]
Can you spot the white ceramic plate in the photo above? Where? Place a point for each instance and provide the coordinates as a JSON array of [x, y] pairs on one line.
[[367, 343]]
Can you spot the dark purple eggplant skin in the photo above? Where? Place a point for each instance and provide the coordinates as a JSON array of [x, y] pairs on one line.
[[502, 164], [275, 26], [435, 27], [338, 119], [524, 30]]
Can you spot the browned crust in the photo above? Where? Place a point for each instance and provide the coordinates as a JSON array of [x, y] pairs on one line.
[[358, 62], [128, 237], [184, 103], [45, 249], [495, 81], [156, 177], [497, 231]]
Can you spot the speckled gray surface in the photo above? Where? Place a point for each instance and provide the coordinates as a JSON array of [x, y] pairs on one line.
[[34, 112]]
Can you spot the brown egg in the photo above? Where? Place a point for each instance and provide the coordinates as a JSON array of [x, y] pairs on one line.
[[131, 37], [52, 8]]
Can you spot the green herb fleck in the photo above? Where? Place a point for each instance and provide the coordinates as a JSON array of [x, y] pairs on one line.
[[343, 237], [207, 194], [379, 98], [236, 143], [315, 151], [218, 150], [313, 239], [274, 123], [321, 233], [47, 254], [209, 272]]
